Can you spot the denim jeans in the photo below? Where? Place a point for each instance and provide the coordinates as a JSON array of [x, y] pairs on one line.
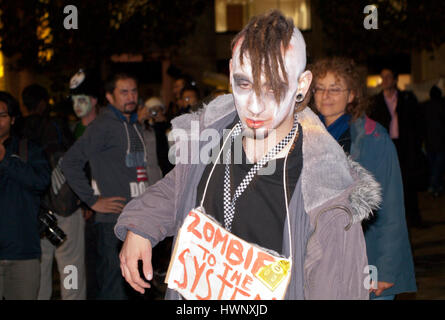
[[112, 286]]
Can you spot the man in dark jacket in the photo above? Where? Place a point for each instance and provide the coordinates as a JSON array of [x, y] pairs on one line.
[[24, 176], [54, 136], [121, 169], [434, 135], [398, 112]]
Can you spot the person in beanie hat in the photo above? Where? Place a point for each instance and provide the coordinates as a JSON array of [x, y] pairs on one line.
[[84, 95], [72, 251]]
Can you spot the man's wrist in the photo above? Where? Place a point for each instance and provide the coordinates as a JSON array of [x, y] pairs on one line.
[[91, 201]]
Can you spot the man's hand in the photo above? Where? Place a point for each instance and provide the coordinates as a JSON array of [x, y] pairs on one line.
[[136, 248], [2, 151], [381, 286], [109, 205], [87, 213], [146, 114], [159, 117], [143, 114]]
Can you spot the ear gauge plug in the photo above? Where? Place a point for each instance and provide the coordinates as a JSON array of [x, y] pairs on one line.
[[299, 98]]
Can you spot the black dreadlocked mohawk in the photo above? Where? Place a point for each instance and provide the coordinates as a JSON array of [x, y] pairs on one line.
[[265, 38]]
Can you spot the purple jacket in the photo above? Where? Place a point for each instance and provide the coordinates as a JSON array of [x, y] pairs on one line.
[[332, 197]]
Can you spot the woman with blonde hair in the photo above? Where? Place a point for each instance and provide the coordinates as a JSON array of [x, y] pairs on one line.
[[340, 99]]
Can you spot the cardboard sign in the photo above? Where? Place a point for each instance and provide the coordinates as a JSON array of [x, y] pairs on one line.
[[209, 263]]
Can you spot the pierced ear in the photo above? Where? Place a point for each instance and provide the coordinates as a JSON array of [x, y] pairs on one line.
[[304, 82]]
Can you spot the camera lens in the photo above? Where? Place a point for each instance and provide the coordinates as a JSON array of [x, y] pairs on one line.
[[48, 228]]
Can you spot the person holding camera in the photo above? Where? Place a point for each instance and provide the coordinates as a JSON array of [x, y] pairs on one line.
[[152, 117], [62, 225], [190, 99], [24, 176]]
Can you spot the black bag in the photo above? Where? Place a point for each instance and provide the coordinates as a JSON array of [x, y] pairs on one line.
[[64, 202]]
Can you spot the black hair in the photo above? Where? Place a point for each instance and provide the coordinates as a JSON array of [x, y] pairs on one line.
[[263, 39], [110, 85], [188, 79], [393, 70], [32, 95], [189, 87], [435, 92], [11, 104]]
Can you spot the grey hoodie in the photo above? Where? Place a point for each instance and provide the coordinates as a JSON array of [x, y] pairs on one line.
[[332, 197], [115, 149]]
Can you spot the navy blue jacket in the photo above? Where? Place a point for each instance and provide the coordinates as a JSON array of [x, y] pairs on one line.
[[386, 235], [21, 185]]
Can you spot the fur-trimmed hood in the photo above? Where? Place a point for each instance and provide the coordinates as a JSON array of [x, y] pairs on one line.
[[327, 171]]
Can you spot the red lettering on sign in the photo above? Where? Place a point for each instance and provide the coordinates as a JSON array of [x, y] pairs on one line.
[[198, 273], [205, 252], [208, 227], [247, 280], [244, 293], [259, 262], [224, 281], [235, 249], [218, 238], [192, 226], [248, 258], [208, 273], [236, 276], [181, 259], [212, 264]]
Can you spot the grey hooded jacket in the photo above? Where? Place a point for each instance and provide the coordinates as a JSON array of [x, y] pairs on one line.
[[332, 197]]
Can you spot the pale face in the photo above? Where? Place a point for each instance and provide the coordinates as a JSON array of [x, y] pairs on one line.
[[82, 105], [125, 95], [332, 96], [262, 114]]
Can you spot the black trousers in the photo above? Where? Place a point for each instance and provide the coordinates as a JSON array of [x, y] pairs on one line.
[[410, 180]]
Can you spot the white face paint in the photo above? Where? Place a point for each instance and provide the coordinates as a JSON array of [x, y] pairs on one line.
[[81, 105], [261, 114]]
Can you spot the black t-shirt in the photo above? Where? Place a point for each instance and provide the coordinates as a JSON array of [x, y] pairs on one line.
[[260, 211]]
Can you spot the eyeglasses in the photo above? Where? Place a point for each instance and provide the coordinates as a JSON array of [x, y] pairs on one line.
[[334, 92]]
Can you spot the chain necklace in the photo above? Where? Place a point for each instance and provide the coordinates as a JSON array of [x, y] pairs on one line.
[[229, 203]]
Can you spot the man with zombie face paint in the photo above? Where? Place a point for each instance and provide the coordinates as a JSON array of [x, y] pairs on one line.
[[84, 95], [268, 136]]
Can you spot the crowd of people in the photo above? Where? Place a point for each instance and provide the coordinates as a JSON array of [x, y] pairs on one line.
[[98, 195]]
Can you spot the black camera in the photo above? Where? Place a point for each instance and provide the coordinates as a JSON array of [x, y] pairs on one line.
[[48, 228], [154, 113]]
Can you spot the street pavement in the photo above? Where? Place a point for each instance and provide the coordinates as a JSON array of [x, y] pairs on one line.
[[428, 245]]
